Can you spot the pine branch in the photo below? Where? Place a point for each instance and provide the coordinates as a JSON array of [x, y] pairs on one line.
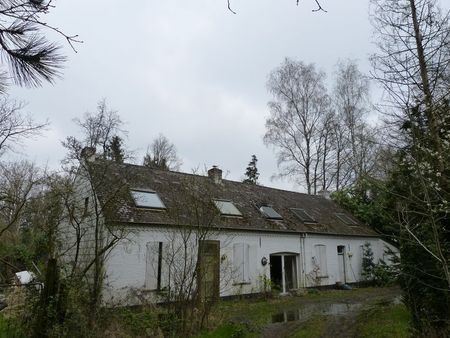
[[30, 56]]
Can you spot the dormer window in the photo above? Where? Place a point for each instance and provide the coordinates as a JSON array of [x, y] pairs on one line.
[[227, 208], [270, 212], [303, 216], [147, 199], [346, 219]]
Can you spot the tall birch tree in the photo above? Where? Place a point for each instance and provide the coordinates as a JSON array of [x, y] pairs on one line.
[[300, 101]]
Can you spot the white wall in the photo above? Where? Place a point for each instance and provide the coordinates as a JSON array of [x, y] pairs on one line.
[[126, 264], [83, 221], [353, 257]]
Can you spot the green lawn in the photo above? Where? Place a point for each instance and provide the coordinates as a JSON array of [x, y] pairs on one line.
[[9, 328], [230, 330], [312, 328], [379, 321], [384, 321]]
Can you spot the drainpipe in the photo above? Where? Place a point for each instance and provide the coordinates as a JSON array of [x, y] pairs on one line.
[[302, 260]]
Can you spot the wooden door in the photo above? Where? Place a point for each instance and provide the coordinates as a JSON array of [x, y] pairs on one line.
[[208, 270]]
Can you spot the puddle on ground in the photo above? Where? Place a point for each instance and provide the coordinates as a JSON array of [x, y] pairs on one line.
[[341, 309], [304, 313]]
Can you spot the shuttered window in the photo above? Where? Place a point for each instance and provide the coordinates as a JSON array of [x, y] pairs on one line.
[[320, 259], [241, 263]]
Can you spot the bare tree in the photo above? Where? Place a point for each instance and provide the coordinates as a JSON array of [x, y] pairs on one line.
[[17, 182], [412, 64], [318, 8], [351, 102], [325, 152], [162, 154], [15, 126], [341, 176], [99, 189], [413, 60], [94, 189], [293, 128], [99, 129], [194, 271]]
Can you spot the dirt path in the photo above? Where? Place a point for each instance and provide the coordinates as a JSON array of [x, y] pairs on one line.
[[339, 314]]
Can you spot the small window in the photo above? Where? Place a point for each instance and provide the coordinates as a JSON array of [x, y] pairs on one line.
[[227, 208], [270, 213], [147, 199], [303, 216], [346, 219]]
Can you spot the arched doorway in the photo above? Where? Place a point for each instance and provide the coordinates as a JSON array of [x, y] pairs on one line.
[[283, 271]]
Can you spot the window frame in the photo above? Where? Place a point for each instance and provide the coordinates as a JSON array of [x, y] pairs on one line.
[[280, 218], [162, 206], [311, 219], [216, 202], [343, 217]]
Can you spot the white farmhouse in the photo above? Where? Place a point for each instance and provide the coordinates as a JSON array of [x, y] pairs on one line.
[[220, 237]]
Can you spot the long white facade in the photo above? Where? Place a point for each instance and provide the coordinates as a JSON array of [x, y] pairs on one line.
[[145, 264]]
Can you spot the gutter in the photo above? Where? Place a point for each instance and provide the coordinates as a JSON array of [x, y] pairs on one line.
[[241, 229]]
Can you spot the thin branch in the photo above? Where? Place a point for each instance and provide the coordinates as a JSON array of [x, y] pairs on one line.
[[229, 7], [319, 7]]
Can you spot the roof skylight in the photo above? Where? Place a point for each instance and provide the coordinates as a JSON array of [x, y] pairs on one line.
[[270, 212], [227, 208], [147, 199], [346, 219], [303, 216]]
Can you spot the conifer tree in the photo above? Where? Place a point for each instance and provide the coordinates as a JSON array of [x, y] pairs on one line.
[[115, 150], [252, 173]]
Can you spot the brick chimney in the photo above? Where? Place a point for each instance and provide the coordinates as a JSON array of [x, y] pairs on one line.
[[88, 154], [215, 174], [325, 194]]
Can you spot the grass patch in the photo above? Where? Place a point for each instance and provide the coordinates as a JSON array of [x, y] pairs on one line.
[[230, 330], [10, 328], [384, 321], [312, 328], [136, 322]]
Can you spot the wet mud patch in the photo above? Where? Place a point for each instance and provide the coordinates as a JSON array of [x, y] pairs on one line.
[[329, 317]]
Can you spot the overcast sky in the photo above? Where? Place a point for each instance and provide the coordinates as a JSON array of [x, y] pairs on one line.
[[190, 70]]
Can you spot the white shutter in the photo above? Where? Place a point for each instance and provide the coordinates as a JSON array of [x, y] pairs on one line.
[[238, 262], [361, 259], [246, 263], [241, 262], [321, 259], [252, 263], [167, 262], [151, 265]]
